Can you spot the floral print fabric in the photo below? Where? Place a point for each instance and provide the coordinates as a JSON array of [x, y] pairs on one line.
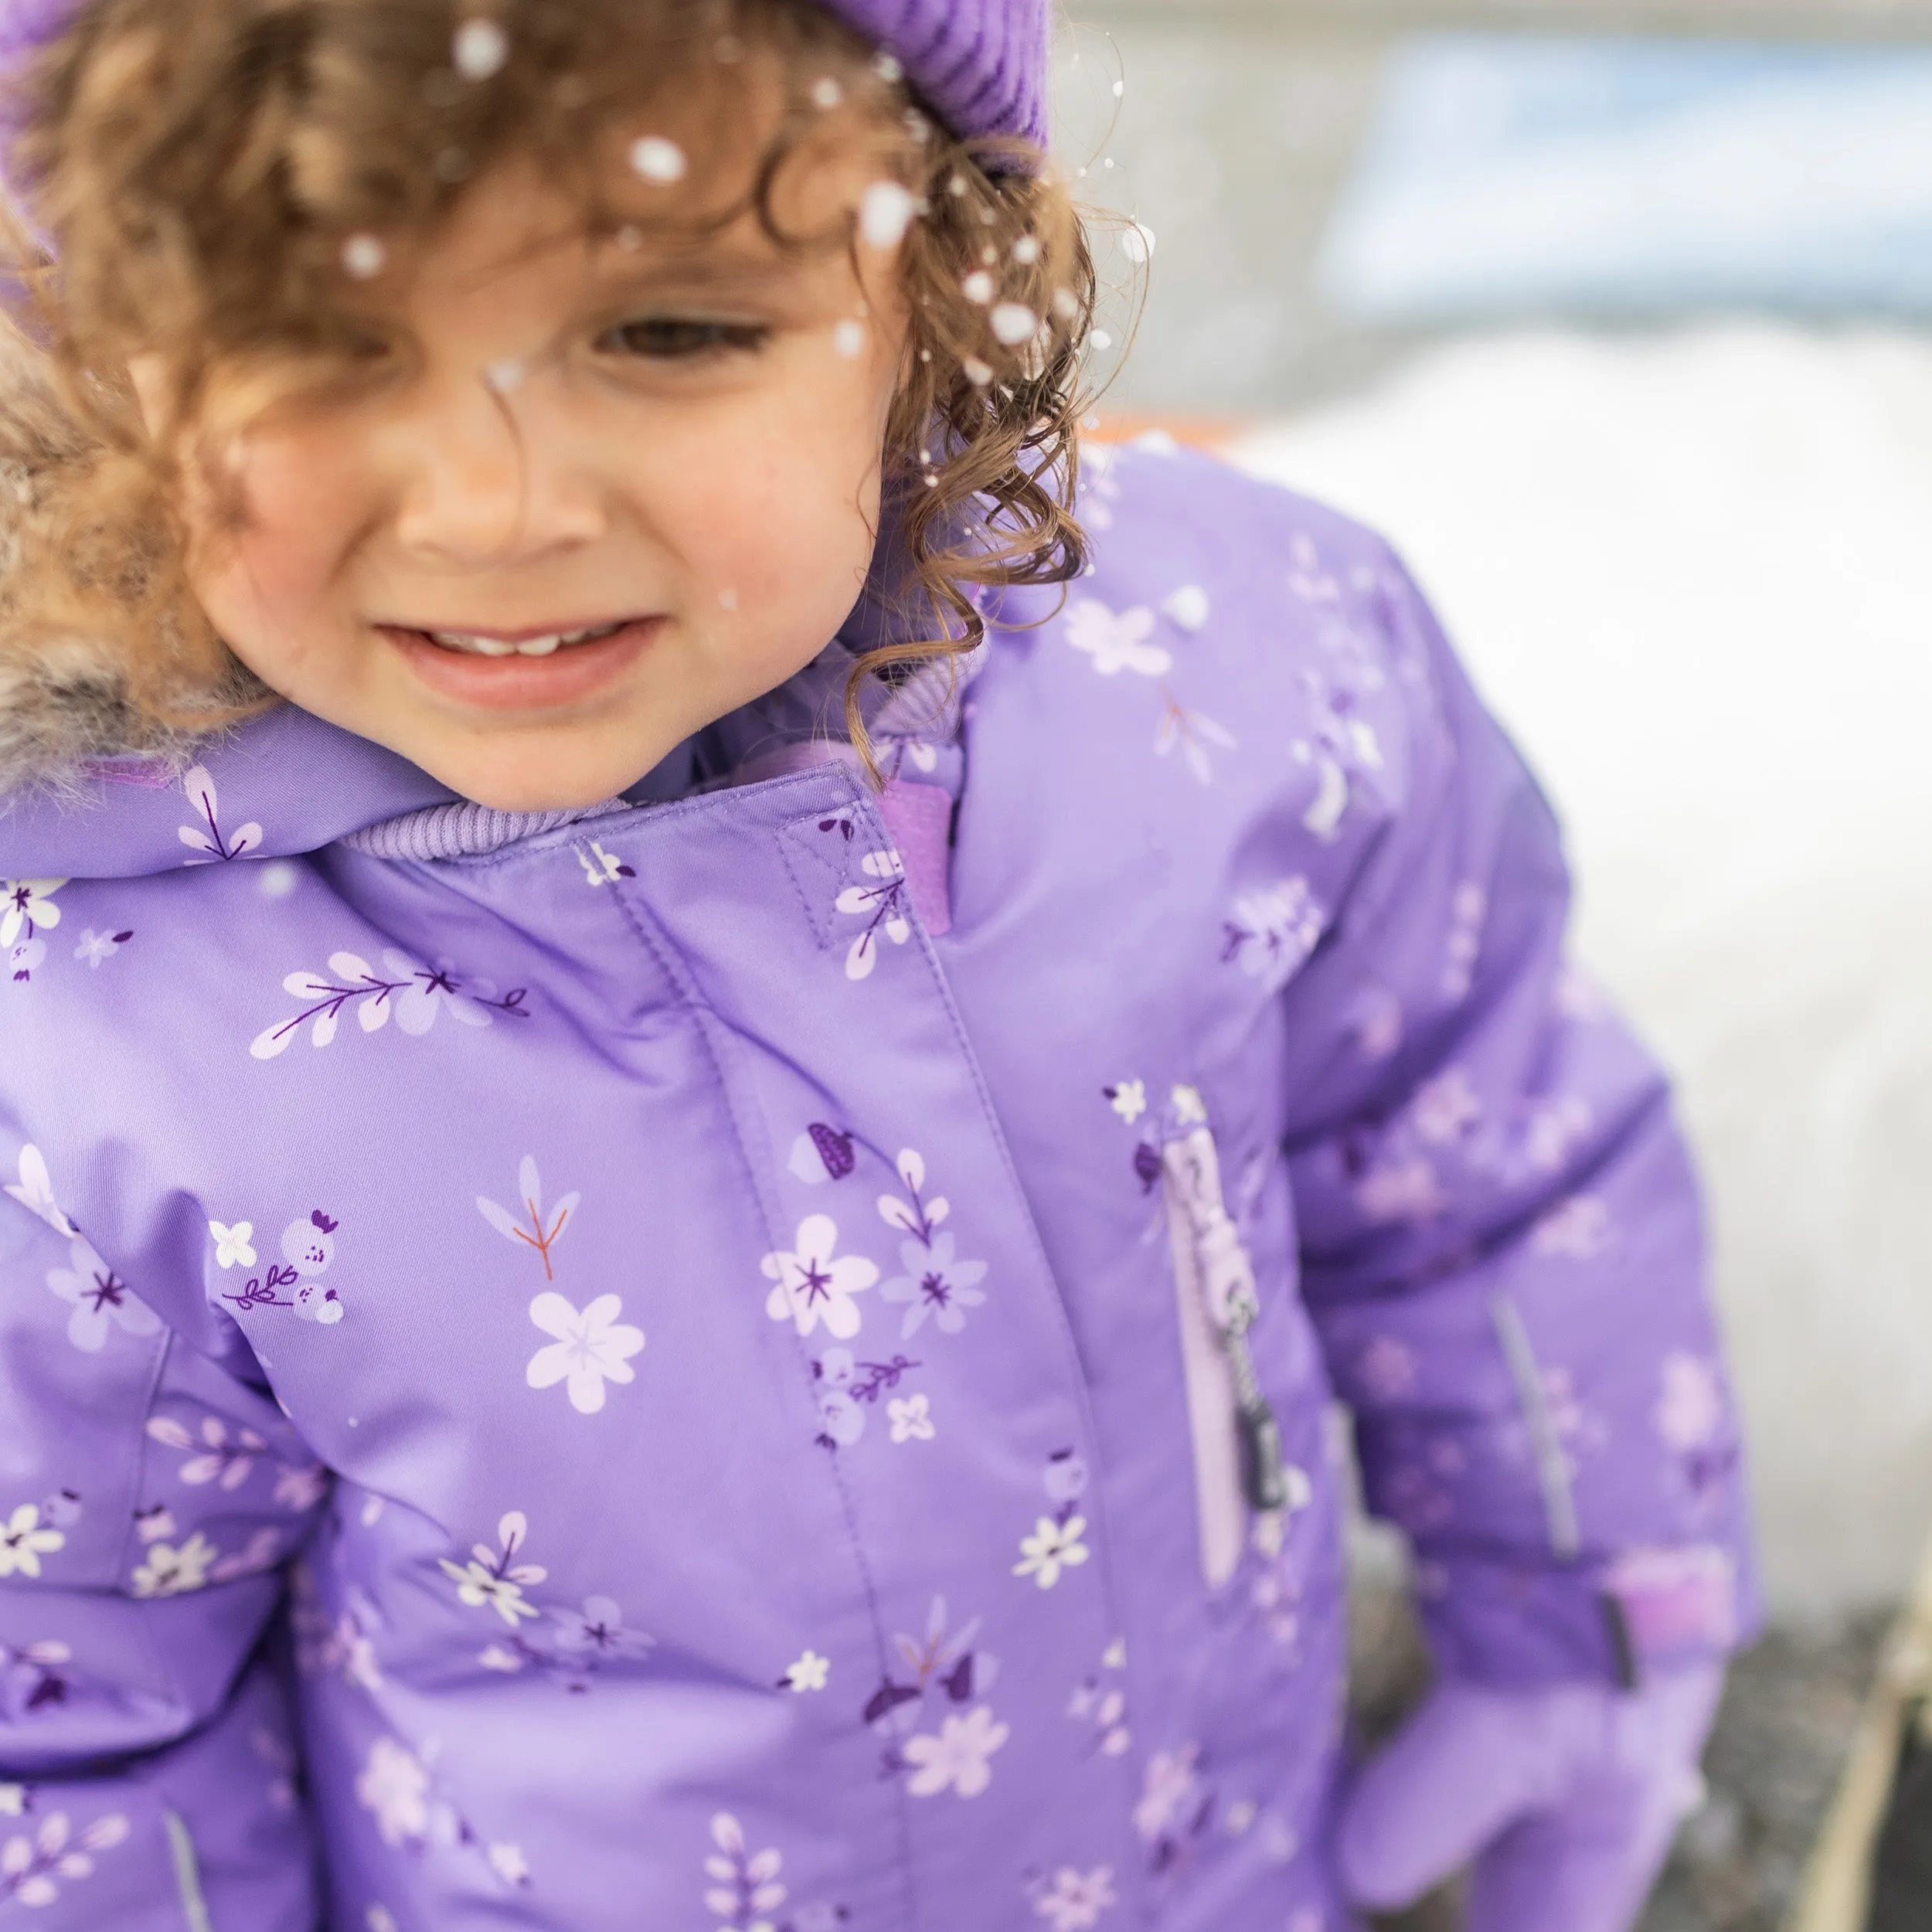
[[696, 1363]]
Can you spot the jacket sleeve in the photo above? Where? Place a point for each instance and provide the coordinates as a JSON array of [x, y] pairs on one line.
[[1501, 1231], [148, 1497]]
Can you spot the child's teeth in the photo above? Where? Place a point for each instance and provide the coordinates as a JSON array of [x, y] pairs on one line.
[[483, 646]]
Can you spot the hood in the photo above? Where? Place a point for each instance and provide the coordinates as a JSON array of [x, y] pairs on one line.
[[286, 783]]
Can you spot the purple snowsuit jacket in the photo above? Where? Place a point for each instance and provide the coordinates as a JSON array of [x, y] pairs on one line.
[[765, 1358]]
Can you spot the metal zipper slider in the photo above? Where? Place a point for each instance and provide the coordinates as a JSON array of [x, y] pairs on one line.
[[1227, 1278]]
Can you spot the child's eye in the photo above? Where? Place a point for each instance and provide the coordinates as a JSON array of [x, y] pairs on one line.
[[677, 337]]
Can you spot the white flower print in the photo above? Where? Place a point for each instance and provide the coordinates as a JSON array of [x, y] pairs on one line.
[[173, 1571], [882, 906], [100, 1300], [414, 994], [34, 1190], [234, 1246], [1446, 1108], [301, 1486], [13, 1800], [1273, 930], [1188, 606], [544, 1231], [1401, 1191], [911, 1419], [509, 1864], [31, 1869], [1075, 1900], [1690, 1410], [27, 907], [601, 868], [493, 1577], [814, 1284], [25, 1539], [1577, 1229], [206, 840], [393, 1785], [1555, 1130], [1052, 1547], [1189, 1109], [1127, 1098], [1115, 643], [959, 1759], [592, 1347], [1166, 1789], [95, 946], [153, 1525], [220, 1458], [809, 1672]]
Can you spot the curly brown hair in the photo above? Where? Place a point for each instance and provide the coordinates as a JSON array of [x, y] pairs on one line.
[[204, 170]]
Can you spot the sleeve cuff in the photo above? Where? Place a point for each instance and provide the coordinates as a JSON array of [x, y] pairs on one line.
[[1644, 1611]]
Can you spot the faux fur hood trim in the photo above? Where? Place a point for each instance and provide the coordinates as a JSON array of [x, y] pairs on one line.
[[66, 704]]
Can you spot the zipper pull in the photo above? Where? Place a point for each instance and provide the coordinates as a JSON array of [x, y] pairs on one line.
[[1227, 1284]]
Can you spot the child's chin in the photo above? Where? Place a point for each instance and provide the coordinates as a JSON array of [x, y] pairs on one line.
[[534, 782]]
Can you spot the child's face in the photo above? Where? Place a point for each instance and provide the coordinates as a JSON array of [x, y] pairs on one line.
[[675, 438]]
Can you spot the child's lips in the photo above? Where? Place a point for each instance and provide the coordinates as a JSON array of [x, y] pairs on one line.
[[508, 677]]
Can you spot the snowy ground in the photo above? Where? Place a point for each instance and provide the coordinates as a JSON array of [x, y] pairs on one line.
[[1689, 571]]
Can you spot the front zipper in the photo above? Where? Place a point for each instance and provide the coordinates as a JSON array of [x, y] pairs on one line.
[[1238, 1463]]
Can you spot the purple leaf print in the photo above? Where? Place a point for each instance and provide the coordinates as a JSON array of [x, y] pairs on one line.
[[414, 994], [1147, 1166], [1273, 930], [31, 1678], [834, 1149], [206, 839], [882, 906], [887, 1699]]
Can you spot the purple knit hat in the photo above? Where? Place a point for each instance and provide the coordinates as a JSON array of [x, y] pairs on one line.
[[981, 63]]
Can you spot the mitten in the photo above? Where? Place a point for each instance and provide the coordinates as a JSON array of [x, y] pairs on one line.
[[1564, 1800]]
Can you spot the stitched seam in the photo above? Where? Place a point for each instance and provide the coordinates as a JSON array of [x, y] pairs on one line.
[[547, 842], [1069, 1350], [820, 929], [688, 994]]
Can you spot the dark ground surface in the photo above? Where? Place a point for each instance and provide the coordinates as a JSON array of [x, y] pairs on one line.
[[1788, 1715]]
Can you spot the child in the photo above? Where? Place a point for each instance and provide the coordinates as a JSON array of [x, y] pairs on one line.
[[663, 1274]]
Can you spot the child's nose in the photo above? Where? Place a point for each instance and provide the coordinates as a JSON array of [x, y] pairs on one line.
[[491, 479]]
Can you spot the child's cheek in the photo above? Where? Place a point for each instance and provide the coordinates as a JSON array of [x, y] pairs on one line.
[[269, 585]]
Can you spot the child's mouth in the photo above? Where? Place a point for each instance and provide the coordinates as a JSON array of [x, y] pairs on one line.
[[482, 643], [521, 670]]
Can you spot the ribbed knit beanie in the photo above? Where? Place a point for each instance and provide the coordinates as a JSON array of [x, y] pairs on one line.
[[981, 63]]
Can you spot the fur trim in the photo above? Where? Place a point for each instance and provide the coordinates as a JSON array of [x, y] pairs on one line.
[[66, 704]]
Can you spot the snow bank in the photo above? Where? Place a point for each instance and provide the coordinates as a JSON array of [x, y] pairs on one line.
[[1691, 573]]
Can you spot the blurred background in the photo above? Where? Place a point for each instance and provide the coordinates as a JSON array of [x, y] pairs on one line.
[[1618, 320]]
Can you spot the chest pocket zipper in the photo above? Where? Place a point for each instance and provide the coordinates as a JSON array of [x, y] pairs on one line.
[[1239, 1468]]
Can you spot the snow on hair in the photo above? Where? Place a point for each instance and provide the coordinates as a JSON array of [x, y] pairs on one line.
[[214, 182]]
